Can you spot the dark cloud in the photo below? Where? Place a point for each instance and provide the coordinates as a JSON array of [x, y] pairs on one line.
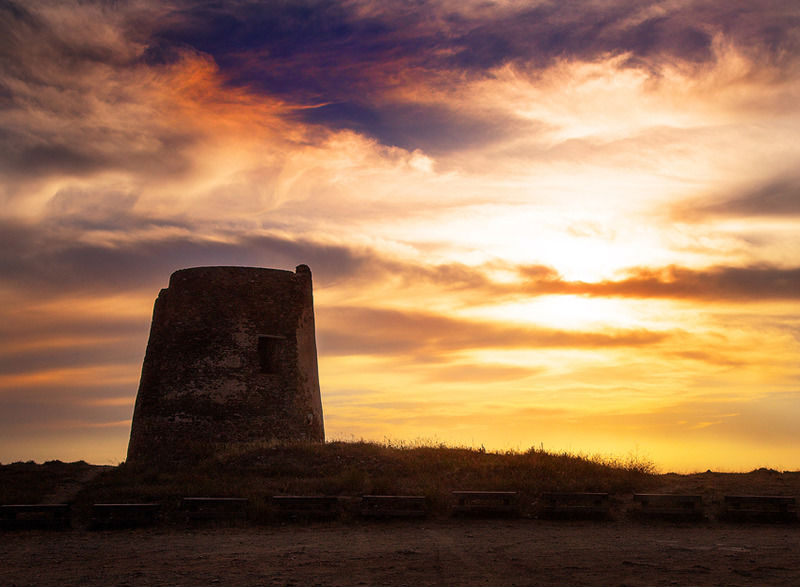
[[45, 410], [350, 330], [435, 128], [15, 21], [55, 257], [536, 37], [777, 197], [31, 47], [90, 148], [717, 283], [29, 325], [58, 255], [330, 263], [339, 62], [135, 251], [69, 98], [346, 57], [712, 284], [51, 159], [71, 356], [29, 31], [306, 49], [264, 44], [446, 276]]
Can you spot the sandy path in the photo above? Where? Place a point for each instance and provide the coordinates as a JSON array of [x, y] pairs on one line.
[[483, 552]]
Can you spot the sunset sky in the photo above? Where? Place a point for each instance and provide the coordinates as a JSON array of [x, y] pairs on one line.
[[573, 225]]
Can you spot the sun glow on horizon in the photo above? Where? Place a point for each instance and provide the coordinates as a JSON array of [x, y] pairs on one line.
[[568, 312], [586, 240]]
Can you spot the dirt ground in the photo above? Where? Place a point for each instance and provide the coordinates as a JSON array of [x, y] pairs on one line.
[[443, 552]]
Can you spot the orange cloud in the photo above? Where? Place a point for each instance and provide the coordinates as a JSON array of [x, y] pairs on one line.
[[743, 284], [350, 330]]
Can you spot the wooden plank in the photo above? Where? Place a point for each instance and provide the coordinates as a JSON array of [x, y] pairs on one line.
[[575, 505], [124, 515], [394, 506], [486, 503], [759, 508], [34, 516], [669, 506]]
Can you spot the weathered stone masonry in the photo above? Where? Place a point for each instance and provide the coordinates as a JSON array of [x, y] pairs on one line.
[[231, 358]]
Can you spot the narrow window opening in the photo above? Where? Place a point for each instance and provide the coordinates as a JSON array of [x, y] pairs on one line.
[[269, 353]]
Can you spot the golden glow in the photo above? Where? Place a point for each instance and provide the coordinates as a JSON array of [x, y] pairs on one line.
[[570, 312], [84, 376], [122, 306], [489, 245]]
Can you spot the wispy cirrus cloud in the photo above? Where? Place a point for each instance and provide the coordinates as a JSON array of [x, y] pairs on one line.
[[67, 257], [353, 330], [775, 198], [433, 37], [352, 65], [56, 72]]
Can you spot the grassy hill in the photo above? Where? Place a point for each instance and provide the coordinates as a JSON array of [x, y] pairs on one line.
[[336, 468], [352, 469]]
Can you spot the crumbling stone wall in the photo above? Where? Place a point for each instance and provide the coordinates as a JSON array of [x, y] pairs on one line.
[[231, 358]]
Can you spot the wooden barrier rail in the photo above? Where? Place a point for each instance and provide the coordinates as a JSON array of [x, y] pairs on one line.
[[759, 508], [739, 508]]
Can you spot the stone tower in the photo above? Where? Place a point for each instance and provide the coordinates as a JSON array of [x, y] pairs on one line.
[[232, 358]]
